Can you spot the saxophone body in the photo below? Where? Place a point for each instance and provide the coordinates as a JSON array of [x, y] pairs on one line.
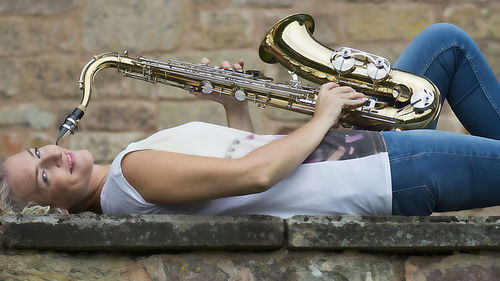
[[398, 100]]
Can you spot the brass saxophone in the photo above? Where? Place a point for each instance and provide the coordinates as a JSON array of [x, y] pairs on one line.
[[417, 98], [398, 100]]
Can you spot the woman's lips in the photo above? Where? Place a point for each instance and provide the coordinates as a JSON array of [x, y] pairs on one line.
[[71, 161]]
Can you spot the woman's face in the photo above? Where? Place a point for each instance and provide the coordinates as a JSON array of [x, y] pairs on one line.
[[50, 175]]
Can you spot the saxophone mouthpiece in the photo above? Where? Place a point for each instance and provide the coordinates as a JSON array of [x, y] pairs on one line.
[[62, 133], [70, 125]]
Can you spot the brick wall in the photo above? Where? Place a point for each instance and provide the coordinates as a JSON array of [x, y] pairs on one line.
[[45, 44]]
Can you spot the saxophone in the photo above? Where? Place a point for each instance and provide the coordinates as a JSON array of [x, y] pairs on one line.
[[398, 100]]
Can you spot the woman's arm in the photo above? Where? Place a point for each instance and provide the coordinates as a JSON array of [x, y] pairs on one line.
[[237, 112], [165, 177]]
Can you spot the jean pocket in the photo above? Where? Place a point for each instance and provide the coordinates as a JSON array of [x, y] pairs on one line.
[[413, 201]]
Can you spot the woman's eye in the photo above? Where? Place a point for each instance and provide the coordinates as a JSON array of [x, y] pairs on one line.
[[37, 152], [44, 178]]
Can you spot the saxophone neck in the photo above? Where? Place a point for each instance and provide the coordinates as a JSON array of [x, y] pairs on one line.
[[71, 124]]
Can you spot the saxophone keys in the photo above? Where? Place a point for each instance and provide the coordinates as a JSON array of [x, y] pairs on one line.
[[240, 95], [377, 70], [422, 99], [343, 61], [258, 75], [206, 87]]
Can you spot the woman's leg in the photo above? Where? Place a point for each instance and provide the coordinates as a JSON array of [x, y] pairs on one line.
[[435, 171], [447, 56]]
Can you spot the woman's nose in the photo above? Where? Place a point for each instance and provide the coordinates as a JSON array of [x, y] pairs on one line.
[[52, 157]]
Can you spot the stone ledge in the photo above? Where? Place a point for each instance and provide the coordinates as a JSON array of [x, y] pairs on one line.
[[252, 232], [141, 232], [393, 233]]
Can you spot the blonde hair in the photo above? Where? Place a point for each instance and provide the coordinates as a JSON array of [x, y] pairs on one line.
[[10, 205]]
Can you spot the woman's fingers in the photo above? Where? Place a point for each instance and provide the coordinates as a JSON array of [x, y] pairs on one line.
[[225, 64], [328, 86], [344, 89], [354, 103], [236, 66], [205, 61], [352, 95], [241, 63], [353, 99]]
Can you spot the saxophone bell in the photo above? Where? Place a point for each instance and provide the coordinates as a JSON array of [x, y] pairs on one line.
[[399, 100]]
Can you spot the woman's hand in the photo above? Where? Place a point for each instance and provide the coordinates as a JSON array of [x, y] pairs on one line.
[[332, 98], [237, 112], [227, 101]]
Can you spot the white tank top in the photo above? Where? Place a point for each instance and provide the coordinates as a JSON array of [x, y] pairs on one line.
[[359, 185]]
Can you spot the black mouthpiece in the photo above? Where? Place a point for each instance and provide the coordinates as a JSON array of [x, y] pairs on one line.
[[70, 125]]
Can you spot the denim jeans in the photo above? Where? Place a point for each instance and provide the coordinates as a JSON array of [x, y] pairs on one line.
[[442, 171]]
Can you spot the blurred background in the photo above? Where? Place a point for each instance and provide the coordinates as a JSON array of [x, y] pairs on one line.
[[44, 45]]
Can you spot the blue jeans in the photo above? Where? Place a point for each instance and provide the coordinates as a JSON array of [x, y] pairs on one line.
[[442, 171]]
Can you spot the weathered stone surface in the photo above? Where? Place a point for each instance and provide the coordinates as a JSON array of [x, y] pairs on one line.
[[40, 139], [35, 265], [8, 78], [11, 143], [246, 265], [493, 20], [469, 17], [19, 37], [142, 232], [479, 22], [37, 7], [191, 237], [177, 113], [26, 115], [481, 266], [394, 233], [54, 77], [272, 265], [62, 36], [104, 146], [121, 116], [265, 3], [130, 25], [223, 29], [370, 22], [200, 265], [12, 34], [389, 51], [492, 54], [109, 83], [378, 1], [326, 29]]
